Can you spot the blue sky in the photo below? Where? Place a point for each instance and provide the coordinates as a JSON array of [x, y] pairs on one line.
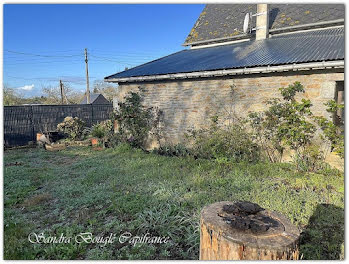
[[116, 36]]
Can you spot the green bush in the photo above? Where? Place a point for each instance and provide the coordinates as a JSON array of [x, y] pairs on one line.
[[232, 142], [178, 150], [286, 123], [289, 124], [102, 129], [310, 160], [73, 127], [97, 131], [135, 120], [331, 131]]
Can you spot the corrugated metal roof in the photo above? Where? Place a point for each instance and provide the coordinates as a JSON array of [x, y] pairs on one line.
[[306, 46]]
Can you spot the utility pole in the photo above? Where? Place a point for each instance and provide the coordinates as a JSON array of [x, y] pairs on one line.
[[62, 90], [87, 80]]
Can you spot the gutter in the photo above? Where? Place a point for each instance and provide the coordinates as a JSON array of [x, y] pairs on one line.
[[240, 71]]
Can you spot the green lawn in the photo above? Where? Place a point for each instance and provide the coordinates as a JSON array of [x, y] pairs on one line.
[[117, 190]]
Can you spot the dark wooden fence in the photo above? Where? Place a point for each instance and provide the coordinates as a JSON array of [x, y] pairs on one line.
[[21, 123]]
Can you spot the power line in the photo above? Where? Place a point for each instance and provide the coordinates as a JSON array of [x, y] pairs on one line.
[[126, 58], [11, 62], [106, 59], [120, 55], [44, 63], [17, 58], [114, 54], [46, 79], [41, 55], [133, 52], [24, 58]]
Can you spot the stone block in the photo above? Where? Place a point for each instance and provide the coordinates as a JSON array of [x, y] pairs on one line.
[[328, 90]]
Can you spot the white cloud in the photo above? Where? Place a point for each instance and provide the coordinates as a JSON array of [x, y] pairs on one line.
[[26, 87]]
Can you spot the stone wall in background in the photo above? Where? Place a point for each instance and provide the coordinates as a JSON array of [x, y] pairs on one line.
[[189, 104]]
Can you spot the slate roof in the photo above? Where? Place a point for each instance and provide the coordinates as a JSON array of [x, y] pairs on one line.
[[226, 20], [93, 98], [298, 47]]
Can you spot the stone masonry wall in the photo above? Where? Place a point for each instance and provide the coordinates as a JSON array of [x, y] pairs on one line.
[[189, 104]]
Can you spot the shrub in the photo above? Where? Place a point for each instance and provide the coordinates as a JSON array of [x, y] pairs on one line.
[[113, 140], [331, 131], [289, 123], [72, 126], [311, 159], [232, 142], [178, 150], [102, 129], [285, 124], [97, 131], [265, 137], [135, 121]]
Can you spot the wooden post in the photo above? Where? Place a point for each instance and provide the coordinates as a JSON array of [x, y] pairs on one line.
[[87, 80], [62, 91], [245, 231]]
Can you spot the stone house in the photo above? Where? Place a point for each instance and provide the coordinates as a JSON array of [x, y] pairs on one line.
[[228, 70]]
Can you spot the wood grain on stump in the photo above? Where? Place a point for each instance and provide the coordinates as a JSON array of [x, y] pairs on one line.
[[245, 231]]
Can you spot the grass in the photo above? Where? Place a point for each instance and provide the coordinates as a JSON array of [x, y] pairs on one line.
[[126, 190]]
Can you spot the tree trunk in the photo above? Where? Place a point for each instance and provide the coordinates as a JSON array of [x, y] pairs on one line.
[[237, 234]]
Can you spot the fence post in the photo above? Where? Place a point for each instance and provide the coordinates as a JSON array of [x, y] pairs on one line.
[[92, 117], [32, 123]]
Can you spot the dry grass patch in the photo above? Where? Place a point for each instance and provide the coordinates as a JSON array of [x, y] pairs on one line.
[[37, 200]]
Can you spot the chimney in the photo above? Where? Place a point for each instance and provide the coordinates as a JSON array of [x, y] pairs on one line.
[[262, 22]]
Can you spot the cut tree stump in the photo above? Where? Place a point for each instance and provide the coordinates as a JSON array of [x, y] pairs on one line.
[[245, 231]]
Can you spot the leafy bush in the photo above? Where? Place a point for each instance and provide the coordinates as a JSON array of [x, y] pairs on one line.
[[311, 159], [102, 129], [113, 140], [331, 131], [135, 121], [264, 135], [72, 126], [97, 131], [289, 124], [232, 142], [178, 150], [285, 124]]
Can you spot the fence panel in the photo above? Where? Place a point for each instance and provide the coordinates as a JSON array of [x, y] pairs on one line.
[[18, 128], [100, 113], [21, 123]]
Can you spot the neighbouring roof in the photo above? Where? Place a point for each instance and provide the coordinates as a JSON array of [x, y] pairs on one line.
[[298, 47], [226, 20], [95, 98]]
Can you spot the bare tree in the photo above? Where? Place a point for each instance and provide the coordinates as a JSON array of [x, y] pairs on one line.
[[53, 94], [11, 96], [109, 90]]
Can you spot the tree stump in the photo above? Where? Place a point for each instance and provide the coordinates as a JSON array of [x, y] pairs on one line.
[[245, 231]]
